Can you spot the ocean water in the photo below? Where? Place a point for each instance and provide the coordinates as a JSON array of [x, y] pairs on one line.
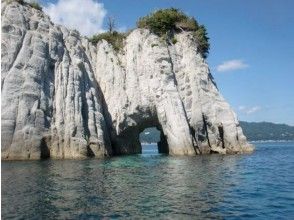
[[256, 186]]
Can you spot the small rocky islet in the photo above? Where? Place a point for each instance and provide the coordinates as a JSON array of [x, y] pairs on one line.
[[64, 97]]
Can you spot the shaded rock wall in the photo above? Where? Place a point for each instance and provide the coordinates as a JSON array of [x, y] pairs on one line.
[[65, 98]]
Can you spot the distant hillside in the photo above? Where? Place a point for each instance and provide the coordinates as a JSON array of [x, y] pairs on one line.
[[254, 131]]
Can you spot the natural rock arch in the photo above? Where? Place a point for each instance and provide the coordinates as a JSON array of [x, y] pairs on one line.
[[167, 86], [128, 141], [140, 91]]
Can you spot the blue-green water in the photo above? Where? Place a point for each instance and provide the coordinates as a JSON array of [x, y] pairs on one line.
[[257, 186]]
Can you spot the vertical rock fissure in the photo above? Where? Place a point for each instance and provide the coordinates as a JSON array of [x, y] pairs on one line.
[[206, 130], [84, 107], [211, 79], [172, 67], [221, 134], [46, 83], [193, 139], [15, 121], [203, 116]]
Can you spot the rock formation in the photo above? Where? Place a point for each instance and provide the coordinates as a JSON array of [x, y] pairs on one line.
[[63, 97]]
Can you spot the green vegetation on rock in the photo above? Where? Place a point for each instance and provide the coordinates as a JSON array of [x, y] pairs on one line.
[[256, 131], [166, 22], [162, 21], [174, 40], [202, 40], [115, 38]]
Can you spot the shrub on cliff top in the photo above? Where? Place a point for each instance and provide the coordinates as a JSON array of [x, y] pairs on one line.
[[115, 38], [202, 40], [165, 22]]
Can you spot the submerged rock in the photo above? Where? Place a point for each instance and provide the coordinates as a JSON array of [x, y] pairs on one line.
[[63, 97]]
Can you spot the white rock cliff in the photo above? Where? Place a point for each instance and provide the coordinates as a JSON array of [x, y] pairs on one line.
[[63, 97]]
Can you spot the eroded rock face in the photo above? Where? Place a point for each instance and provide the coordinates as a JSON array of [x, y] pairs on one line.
[[62, 97], [51, 104]]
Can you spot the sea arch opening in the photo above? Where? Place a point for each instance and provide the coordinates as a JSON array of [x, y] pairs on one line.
[[133, 139], [149, 139]]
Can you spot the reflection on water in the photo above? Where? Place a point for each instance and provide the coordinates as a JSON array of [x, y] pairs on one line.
[[153, 185]]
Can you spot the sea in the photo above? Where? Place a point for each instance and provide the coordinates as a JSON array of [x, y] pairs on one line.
[[153, 186]]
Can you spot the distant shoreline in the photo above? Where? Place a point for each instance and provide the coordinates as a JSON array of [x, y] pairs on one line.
[[145, 143], [258, 141], [270, 141]]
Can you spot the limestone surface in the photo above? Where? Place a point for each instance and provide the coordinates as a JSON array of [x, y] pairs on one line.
[[63, 97]]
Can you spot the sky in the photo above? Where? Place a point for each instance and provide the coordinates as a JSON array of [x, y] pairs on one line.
[[252, 45]]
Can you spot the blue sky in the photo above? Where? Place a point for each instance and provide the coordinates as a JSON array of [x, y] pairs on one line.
[[252, 46]]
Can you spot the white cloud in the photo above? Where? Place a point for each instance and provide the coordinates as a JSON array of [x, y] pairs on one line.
[[249, 110], [241, 107], [231, 65], [253, 110], [86, 16]]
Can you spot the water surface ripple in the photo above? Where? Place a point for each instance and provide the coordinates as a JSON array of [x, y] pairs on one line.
[[257, 186]]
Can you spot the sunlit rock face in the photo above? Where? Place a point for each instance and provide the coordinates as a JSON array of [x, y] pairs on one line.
[[63, 97], [51, 104]]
